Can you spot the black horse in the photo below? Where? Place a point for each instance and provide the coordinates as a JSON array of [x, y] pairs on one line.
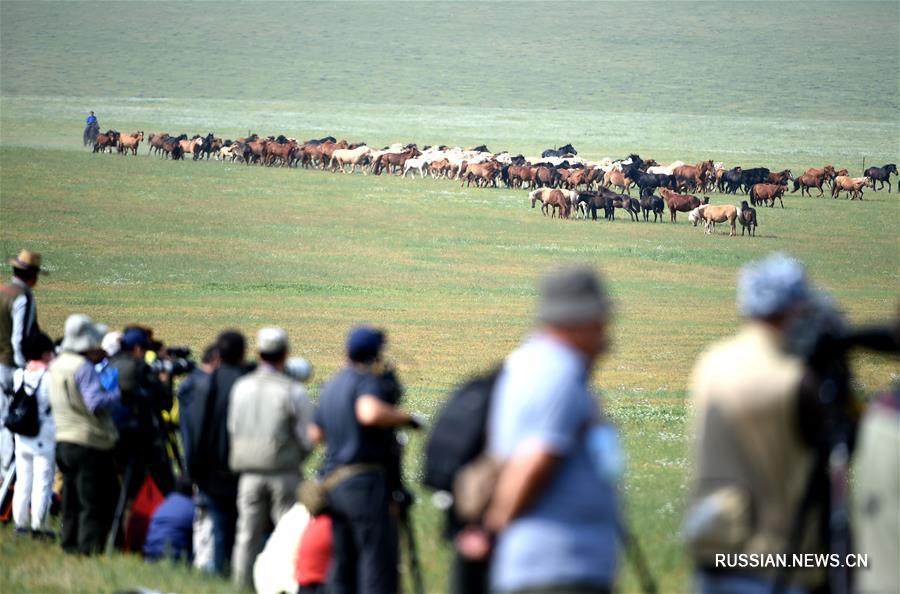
[[595, 201], [651, 203], [205, 147], [563, 151], [647, 182], [730, 181], [881, 174], [90, 134]]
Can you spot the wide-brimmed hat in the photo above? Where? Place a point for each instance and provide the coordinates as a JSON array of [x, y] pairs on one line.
[[771, 286], [572, 295], [27, 260], [82, 334]]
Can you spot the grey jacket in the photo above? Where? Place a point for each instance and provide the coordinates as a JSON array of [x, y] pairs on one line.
[[268, 422]]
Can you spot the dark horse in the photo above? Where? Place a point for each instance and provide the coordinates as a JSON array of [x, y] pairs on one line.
[[881, 174], [90, 134], [566, 149]]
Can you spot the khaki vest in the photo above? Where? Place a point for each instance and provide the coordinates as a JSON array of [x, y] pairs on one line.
[[9, 292], [75, 423], [262, 417], [750, 464]]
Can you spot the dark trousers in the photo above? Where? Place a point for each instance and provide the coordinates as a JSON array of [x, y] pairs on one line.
[[469, 577], [89, 492], [364, 548]]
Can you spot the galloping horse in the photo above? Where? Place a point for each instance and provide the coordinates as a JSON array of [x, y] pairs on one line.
[[130, 142], [852, 185], [881, 174], [353, 157], [813, 178], [156, 142]]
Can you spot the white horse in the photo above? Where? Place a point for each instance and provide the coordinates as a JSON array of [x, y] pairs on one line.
[[666, 169], [341, 157]]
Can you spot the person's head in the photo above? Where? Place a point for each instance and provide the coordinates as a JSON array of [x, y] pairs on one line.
[[273, 345], [112, 343], [232, 348], [84, 336], [26, 267], [773, 290], [210, 359], [364, 345], [39, 348], [92, 113], [575, 308], [135, 342]]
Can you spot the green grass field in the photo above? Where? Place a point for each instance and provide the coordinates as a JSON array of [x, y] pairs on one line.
[[190, 248]]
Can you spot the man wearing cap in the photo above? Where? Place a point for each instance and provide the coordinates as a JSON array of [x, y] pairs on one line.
[[355, 422], [268, 421], [750, 460], [85, 437], [555, 508], [18, 324], [144, 395]]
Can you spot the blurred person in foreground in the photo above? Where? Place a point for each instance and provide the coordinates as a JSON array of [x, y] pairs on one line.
[[85, 437], [197, 379], [555, 507], [876, 497], [18, 326], [269, 418], [169, 533], [355, 421], [208, 449], [752, 456]]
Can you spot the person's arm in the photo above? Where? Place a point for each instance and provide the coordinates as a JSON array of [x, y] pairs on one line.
[[20, 304], [315, 434], [371, 411], [303, 418], [95, 397], [522, 479]]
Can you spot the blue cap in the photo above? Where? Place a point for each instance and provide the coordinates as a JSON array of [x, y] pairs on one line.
[[135, 337], [770, 286], [364, 343]]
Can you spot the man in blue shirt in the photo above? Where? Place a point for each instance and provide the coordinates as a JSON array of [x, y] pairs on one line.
[[91, 128], [355, 422], [91, 120], [555, 510]]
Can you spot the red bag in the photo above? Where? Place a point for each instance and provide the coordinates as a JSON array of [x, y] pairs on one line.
[[145, 503]]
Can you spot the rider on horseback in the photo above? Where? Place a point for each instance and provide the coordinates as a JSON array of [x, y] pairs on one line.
[[91, 129]]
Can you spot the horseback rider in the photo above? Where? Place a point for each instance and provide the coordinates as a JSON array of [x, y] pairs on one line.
[[91, 128]]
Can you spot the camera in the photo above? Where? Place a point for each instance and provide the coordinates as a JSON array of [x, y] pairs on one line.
[[174, 360], [299, 369]]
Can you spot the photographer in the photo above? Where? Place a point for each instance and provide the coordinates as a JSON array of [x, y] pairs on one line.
[[751, 460], [355, 420], [145, 394], [268, 422]]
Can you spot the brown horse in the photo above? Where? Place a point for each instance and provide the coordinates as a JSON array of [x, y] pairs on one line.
[[106, 141], [693, 177], [189, 146], [813, 178], [389, 161], [282, 151], [558, 200], [618, 179], [130, 142], [782, 177], [156, 142], [483, 174], [766, 194], [678, 202]]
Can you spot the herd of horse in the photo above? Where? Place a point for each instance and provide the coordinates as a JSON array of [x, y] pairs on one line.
[[582, 186]]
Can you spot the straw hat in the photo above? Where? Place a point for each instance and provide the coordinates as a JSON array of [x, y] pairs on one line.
[[27, 260]]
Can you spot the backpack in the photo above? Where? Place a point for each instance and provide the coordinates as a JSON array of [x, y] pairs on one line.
[[22, 417], [459, 433]]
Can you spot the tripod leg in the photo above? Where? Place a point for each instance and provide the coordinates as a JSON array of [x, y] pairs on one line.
[[7, 482], [415, 569], [120, 510]]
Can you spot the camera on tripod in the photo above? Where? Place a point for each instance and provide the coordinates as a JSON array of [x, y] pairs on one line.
[[173, 360]]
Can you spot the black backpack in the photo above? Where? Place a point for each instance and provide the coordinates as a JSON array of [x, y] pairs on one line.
[[22, 417], [459, 433]]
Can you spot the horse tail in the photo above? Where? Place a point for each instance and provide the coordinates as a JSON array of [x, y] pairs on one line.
[[796, 185]]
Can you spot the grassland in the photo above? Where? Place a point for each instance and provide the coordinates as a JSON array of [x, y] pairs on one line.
[[190, 248]]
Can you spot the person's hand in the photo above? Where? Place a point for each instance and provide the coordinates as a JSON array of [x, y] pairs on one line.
[[416, 421], [473, 543]]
